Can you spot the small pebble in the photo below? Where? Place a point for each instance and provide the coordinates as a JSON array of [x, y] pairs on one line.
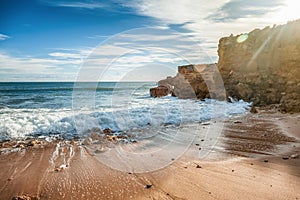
[[237, 122], [148, 186], [57, 169], [98, 151], [253, 110], [294, 156]]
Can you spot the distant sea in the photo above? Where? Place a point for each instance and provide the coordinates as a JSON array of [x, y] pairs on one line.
[[67, 109]]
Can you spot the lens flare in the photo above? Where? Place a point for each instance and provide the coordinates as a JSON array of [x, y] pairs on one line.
[[242, 38]]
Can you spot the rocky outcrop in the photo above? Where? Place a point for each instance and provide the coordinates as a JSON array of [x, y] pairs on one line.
[[160, 91], [262, 67], [196, 81]]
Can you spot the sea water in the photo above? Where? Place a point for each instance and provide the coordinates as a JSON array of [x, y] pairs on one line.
[[71, 109]]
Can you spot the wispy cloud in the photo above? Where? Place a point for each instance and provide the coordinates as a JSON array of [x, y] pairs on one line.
[[98, 36], [116, 58], [208, 21], [69, 53], [236, 9], [78, 4], [27, 68], [64, 55], [3, 37], [137, 50], [91, 5]]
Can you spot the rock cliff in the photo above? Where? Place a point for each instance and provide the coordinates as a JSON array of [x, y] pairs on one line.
[[262, 66]]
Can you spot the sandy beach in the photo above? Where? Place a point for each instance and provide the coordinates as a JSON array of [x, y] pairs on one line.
[[154, 100], [246, 166]]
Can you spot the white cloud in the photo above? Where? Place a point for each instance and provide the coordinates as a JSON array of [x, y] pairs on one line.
[[43, 69], [144, 35], [208, 21], [66, 55], [98, 36], [3, 37], [141, 50], [175, 12], [137, 48], [121, 54], [84, 5]]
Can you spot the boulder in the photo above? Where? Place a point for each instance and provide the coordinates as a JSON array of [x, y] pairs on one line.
[[160, 91]]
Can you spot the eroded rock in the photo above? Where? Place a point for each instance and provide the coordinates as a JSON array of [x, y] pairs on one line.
[[160, 91], [265, 68], [107, 131]]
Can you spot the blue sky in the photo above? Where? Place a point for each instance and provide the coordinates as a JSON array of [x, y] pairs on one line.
[[43, 40]]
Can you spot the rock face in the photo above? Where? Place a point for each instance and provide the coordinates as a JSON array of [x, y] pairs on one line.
[[160, 91], [263, 66], [196, 81]]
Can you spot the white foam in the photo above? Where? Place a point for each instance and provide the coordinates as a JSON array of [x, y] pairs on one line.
[[19, 123]]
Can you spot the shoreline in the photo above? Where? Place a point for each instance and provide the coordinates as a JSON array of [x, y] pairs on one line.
[[73, 172]]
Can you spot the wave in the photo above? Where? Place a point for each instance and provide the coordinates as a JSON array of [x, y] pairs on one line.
[[21, 123]]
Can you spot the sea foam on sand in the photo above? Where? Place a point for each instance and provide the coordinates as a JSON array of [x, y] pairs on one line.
[[23, 122]]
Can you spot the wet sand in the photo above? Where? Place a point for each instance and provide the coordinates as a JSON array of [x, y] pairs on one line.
[[258, 158]]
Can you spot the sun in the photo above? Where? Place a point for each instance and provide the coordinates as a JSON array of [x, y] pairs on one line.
[[290, 10]]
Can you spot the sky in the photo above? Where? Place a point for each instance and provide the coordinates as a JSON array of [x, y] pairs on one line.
[[122, 40]]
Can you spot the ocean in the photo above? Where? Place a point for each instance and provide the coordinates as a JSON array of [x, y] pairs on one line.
[[68, 110]]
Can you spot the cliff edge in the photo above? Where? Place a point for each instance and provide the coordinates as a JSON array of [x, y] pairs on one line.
[[263, 66]]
